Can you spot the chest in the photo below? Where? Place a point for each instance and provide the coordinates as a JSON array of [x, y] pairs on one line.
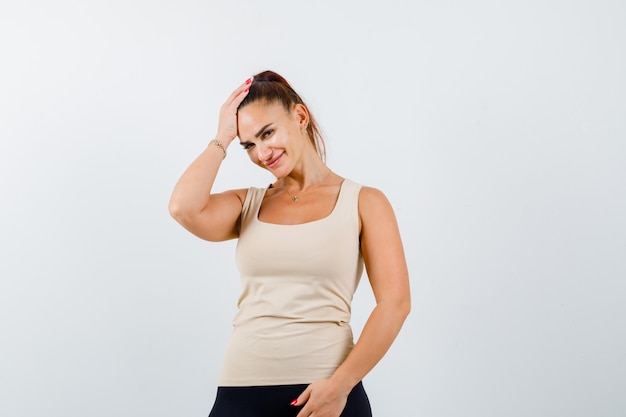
[[279, 207]]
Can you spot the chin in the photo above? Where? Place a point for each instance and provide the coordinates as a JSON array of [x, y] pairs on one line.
[[279, 173]]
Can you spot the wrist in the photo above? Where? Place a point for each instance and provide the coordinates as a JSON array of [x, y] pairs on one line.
[[216, 143], [344, 383], [224, 138]]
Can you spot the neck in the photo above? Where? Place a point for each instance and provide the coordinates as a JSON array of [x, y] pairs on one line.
[[306, 175]]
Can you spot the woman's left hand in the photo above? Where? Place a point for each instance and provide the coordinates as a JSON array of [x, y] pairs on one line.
[[322, 398]]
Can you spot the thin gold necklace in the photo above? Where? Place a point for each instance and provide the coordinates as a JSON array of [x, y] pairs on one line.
[[296, 199]]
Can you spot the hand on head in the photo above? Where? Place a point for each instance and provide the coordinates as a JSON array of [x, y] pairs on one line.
[[227, 125]]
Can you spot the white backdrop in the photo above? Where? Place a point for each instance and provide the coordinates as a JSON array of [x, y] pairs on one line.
[[496, 129]]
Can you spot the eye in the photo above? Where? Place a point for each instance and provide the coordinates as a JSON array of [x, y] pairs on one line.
[[267, 133], [248, 146]]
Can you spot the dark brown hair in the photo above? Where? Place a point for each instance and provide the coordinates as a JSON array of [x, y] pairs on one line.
[[271, 87]]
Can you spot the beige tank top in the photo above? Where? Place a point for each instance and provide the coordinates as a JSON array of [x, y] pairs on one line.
[[292, 325]]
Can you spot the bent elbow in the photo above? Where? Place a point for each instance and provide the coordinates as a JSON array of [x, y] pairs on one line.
[[404, 308], [181, 213], [175, 210]]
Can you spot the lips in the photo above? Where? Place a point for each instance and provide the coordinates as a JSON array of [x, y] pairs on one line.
[[274, 161]]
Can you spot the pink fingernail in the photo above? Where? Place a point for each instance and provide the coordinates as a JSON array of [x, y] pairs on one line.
[[249, 80], [246, 90], [294, 402]]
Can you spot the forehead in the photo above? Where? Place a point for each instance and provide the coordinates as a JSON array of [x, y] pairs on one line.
[[259, 114]]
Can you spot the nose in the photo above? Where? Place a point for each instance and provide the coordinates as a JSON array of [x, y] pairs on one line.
[[264, 152]]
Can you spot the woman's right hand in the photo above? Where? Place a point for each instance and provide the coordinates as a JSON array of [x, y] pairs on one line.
[[227, 125]]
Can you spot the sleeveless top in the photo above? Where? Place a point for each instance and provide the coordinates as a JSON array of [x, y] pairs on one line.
[[292, 324]]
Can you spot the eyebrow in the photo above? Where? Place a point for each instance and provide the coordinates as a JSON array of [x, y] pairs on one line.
[[259, 133]]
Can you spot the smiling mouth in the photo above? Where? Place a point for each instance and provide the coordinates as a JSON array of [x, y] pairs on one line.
[[274, 161]]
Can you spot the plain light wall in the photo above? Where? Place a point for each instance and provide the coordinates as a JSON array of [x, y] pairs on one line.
[[496, 129]]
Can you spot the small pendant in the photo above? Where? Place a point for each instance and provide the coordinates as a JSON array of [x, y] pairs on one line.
[[294, 197]]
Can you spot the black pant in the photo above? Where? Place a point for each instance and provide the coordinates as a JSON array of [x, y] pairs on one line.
[[275, 400]]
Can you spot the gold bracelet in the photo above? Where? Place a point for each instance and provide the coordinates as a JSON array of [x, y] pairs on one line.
[[219, 145]]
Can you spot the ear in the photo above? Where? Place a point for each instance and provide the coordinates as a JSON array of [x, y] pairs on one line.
[[301, 115]]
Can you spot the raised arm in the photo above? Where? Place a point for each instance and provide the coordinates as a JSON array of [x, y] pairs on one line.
[[388, 274], [209, 216]]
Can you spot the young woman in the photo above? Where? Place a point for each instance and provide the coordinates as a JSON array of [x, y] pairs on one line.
[[302, 244]]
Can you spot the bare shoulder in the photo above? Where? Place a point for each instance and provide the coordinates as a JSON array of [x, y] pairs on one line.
[[372, 201], [371, 195]]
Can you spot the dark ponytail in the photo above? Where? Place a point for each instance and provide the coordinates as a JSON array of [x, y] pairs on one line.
[[271, 87]]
